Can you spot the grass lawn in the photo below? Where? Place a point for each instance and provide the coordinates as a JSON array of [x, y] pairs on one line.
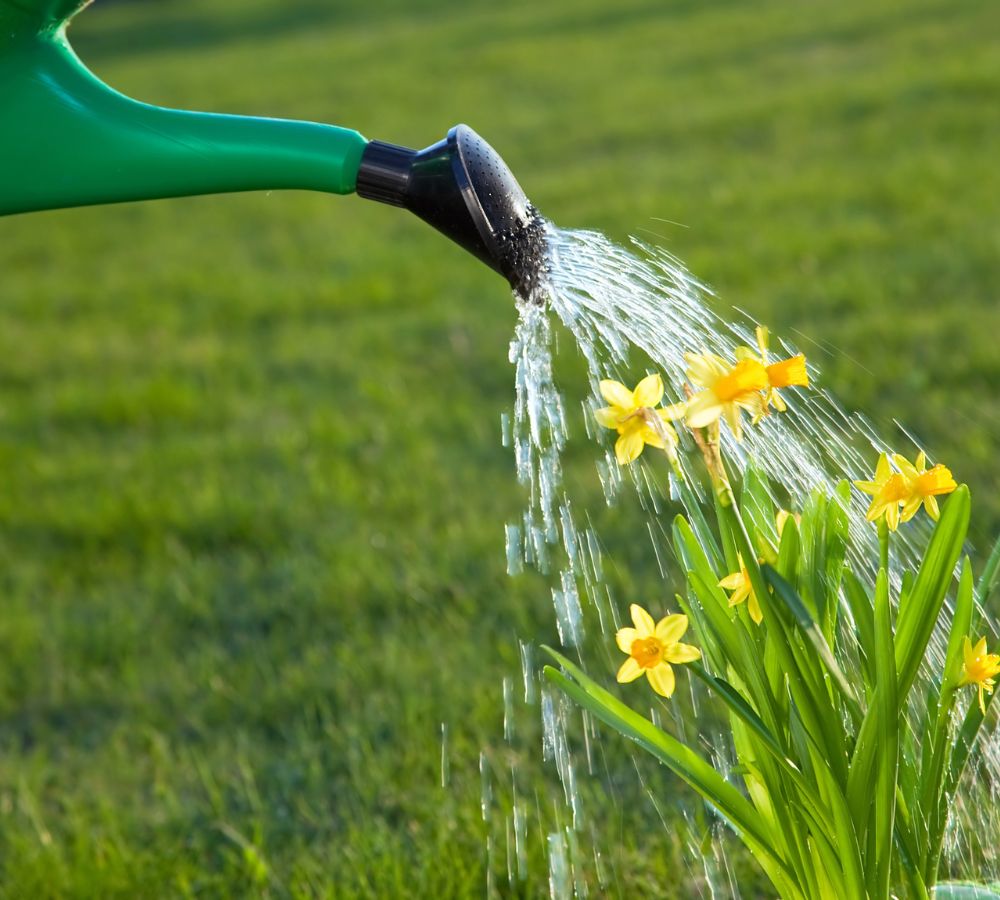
[[253, 490]]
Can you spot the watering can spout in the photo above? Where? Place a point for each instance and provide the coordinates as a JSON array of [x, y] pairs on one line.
[[68, 139], [462, 187]]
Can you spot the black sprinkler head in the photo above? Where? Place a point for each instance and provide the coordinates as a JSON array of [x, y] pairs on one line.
[[464, 189]]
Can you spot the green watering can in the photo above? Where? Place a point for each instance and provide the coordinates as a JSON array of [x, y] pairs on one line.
[[67, 139]]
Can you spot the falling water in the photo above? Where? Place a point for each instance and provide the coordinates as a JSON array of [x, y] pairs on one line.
[[627, 309]]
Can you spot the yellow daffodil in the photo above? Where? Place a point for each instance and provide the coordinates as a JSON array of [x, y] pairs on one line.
[[888, 490], [742, 589], [638, 423], [980, 669], [924, 485], [727, 389], [651, 648], [784, 373]]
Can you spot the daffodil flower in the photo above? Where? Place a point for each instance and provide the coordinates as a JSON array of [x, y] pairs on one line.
[[727, 390], [651, 648], [637, 422], [888, 490], [980, 669], [924, 485], [784, 373], [742, 589]]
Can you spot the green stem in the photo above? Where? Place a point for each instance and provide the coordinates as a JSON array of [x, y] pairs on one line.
[[883, 544]]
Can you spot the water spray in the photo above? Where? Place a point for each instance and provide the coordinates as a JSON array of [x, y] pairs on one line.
[[70, 140]]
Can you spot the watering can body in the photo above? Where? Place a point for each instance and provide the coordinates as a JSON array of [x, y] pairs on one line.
[[68, 139]]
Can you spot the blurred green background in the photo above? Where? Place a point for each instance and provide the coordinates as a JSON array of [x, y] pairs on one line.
[[253, 490]]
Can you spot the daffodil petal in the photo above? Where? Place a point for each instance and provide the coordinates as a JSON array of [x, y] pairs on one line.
[[649, 391], [629, 671], [643, 621], [704, 368], [661, 678], [681, 653], [763, 338], [911, 507], [608, 416], [906, 468], [734, 420], [931, 505], [671, 628], [703, 409], [753, 607], [624, 638], [673, 412], [740, 594], [731, 582], [628, 447], [651, 437], [616, 393], [892, 516]]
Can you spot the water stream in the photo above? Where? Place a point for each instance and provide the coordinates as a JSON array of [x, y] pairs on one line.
[[628, 311]]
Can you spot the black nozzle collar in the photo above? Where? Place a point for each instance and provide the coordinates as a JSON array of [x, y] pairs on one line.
[[385, 172]]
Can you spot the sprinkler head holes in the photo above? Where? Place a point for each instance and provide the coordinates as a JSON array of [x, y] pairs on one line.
[[462, 187]]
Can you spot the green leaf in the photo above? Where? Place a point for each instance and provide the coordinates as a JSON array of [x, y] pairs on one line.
[[933, 802], [865, 766], [886, 709], [918, 616], [804, 676], [789, 550], [863, 614], [785, 592], [756, 503], [744, 711], [683, 761]]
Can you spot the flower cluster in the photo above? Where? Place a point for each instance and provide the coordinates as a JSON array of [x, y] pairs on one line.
[[720, 389], [750, 383], [898, 494], [725, 390]]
